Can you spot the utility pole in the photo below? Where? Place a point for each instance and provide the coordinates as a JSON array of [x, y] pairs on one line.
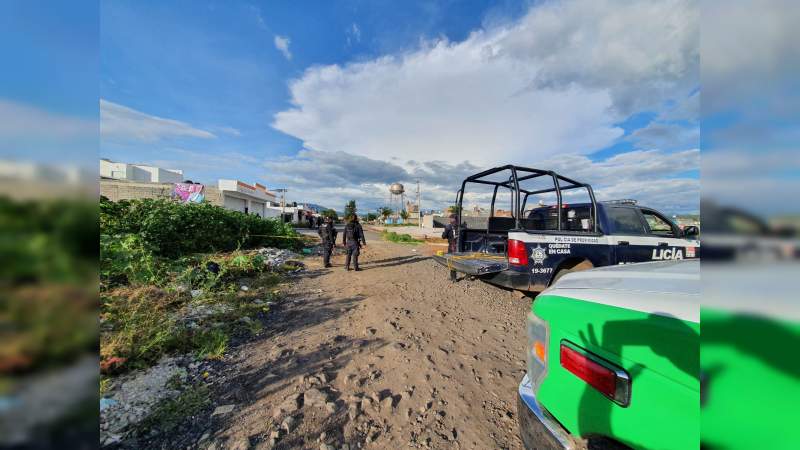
[[419, 207], [283, 203]]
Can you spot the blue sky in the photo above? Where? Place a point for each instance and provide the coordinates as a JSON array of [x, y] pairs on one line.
[[336, 100], [49, 81]]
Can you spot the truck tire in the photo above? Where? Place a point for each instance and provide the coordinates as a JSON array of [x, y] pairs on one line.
[[569, 268]]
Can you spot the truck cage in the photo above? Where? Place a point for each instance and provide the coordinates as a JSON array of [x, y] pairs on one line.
[[519, 174]]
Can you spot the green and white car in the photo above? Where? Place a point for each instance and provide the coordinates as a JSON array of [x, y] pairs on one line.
[[613, 360]]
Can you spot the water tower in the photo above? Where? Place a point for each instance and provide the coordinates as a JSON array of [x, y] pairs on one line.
[[396, 199]]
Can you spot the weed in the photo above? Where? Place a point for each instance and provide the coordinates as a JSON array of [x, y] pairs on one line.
[[399, 238], [170, 413], [105, 384], [211, 344]]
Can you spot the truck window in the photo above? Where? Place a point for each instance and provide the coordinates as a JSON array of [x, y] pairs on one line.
[[625, 220], [658, 225]]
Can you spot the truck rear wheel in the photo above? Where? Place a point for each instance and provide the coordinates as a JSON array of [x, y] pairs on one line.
[[569, 268]]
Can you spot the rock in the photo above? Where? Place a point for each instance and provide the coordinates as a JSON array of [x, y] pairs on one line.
[[387, 402], [325, 446], [244, 288], [221, 410], [288, 424], [240, 444], [352, 413], [196, 293], [365, 404], [330, 407], [322, 377], [314, 397], [289, 405], [276, 434]]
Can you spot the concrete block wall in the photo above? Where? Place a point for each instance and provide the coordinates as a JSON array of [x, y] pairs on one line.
[[116, 190]]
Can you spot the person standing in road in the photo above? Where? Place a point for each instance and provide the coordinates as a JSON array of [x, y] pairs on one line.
[[451, 234], [328, 235], [353, 239]]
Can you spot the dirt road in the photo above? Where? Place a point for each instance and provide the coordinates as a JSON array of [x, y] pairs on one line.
[[393, 356]]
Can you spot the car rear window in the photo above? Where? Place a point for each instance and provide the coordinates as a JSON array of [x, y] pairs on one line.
[[625, 221]]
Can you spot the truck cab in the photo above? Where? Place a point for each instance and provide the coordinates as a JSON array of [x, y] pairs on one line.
[[536, 226]]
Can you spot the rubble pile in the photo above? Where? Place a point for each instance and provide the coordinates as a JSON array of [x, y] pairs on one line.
[[133, 396], [277, 257]]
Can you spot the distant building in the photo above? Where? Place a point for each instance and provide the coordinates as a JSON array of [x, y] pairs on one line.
[[138, 172], [251, 199]]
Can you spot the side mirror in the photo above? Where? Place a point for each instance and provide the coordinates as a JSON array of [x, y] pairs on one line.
[[691, 232]]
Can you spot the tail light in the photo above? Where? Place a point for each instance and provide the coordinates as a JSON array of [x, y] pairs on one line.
[[517, 254], [536, 354], [605, 377]]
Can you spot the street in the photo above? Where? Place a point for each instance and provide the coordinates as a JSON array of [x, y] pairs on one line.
[[393, 356]]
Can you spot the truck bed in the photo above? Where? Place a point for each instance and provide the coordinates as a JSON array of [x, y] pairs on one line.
[[473, 263]]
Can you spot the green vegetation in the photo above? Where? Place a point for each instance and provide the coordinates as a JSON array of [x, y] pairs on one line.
[[385, 212], [400, 238], [330, 213], [212, 344], [371, 217], [454, 209], [172, 229], [170, 413], [170, 277], [404, 215], [48, 261], [350, 209]]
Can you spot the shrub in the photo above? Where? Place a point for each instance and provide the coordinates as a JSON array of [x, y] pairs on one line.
[[172, 229], [400, 238]]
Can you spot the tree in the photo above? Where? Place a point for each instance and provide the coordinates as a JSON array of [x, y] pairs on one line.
[[404, 215], [330, 213], [385, 212], [350, 209], [371, 217]]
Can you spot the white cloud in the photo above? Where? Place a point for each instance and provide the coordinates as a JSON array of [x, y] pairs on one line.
[[353, 34], [282, 44], [229, 130], [121, 122], [653, 177], [552, 83], [20, 121]]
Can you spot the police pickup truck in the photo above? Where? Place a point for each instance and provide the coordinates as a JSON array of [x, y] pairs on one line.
[[529, 227]]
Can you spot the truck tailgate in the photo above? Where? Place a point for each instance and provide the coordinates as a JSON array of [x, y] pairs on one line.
[[475, 264]]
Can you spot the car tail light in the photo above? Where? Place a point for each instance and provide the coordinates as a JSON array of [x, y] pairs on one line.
[[517, 253], [536, 353], [607, 378]]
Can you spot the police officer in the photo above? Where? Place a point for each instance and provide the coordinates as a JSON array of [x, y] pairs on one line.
[[328, 235], [353, 239], [451, 234]]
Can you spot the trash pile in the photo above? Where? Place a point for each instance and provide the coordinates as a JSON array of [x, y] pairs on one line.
[[278, 257]]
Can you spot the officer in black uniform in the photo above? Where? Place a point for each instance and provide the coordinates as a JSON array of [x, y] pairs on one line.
[[328, 235], [451, 234], [353, 239]]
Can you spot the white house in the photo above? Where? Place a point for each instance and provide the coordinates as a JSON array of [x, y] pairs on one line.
[[251, 199], [139, 172]]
